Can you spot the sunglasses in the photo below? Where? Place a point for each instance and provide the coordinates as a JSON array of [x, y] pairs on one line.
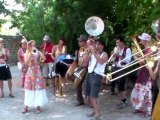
[[97, 43]]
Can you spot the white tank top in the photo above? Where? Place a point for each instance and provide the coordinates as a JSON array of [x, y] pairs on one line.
[[95, 66]]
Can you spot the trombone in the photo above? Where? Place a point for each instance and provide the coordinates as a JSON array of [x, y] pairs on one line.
[[148, 57], [150, 63], [115, 51]]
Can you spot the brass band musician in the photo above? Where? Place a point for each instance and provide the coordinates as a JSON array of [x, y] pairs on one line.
[[93, 80], [122, 57], [82, 60], [141, 97]]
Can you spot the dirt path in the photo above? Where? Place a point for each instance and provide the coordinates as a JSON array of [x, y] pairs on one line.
[[60, 108]]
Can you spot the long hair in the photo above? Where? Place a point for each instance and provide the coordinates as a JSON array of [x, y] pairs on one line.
[[28, 51]]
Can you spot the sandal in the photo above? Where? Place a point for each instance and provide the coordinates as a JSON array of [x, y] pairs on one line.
[[25, 110], [2, 96], [145, 114], [91, 114], [37, 111], [97, 117], [11, 95], [137, 111]]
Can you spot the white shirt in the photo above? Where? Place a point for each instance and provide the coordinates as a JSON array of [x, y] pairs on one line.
[[126, 59], [95, 66]]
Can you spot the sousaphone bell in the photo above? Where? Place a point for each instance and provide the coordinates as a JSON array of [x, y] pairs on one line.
[[94, 26]]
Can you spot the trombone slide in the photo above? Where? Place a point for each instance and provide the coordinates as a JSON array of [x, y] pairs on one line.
[[111, 58], [109, 76]]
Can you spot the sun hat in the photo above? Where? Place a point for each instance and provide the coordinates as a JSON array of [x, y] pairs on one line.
[[145, 36]]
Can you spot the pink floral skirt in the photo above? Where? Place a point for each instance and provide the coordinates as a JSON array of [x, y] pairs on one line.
[[141, 97]]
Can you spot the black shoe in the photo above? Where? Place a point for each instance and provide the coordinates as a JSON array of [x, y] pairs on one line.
[[114, 93], [79, 104], [47, 84], [122, 105]]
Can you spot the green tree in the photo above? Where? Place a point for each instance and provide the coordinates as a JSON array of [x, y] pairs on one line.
[[3, 11], [67, 18]]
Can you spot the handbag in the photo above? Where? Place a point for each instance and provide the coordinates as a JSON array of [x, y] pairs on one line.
[[19, 64]]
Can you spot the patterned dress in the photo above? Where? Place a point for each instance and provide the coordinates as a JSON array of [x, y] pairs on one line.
[[141, 95], [35, 93]]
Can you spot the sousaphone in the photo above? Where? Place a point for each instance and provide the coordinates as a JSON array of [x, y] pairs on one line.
[[94, 26]]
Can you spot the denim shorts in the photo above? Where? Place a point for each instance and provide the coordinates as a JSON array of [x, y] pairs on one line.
[[92, 84], [46, 69]]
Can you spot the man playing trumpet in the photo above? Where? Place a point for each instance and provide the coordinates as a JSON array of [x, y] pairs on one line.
[[96, 68]]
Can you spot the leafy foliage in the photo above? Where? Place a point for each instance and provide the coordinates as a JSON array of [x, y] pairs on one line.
[[67, 17], [3, 11]]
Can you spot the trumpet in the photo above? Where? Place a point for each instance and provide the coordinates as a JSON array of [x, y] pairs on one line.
[[88, 50], [34, 51]]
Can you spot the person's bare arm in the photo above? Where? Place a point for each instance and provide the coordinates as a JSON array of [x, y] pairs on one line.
[[27, 57], [102, 59], [153, 73], [41, 56], [53, 52], [99, 59], [64, 51]]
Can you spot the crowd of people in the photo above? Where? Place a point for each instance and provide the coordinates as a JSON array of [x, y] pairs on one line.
[[91, 58]]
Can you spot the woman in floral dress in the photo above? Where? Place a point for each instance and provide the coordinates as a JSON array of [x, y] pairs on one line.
[[141, 96], [35, 93]]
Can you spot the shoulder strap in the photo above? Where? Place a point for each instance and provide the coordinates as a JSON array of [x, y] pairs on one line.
[[97, 61]]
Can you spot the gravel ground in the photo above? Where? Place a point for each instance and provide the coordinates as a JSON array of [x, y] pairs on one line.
[[61, 108]]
